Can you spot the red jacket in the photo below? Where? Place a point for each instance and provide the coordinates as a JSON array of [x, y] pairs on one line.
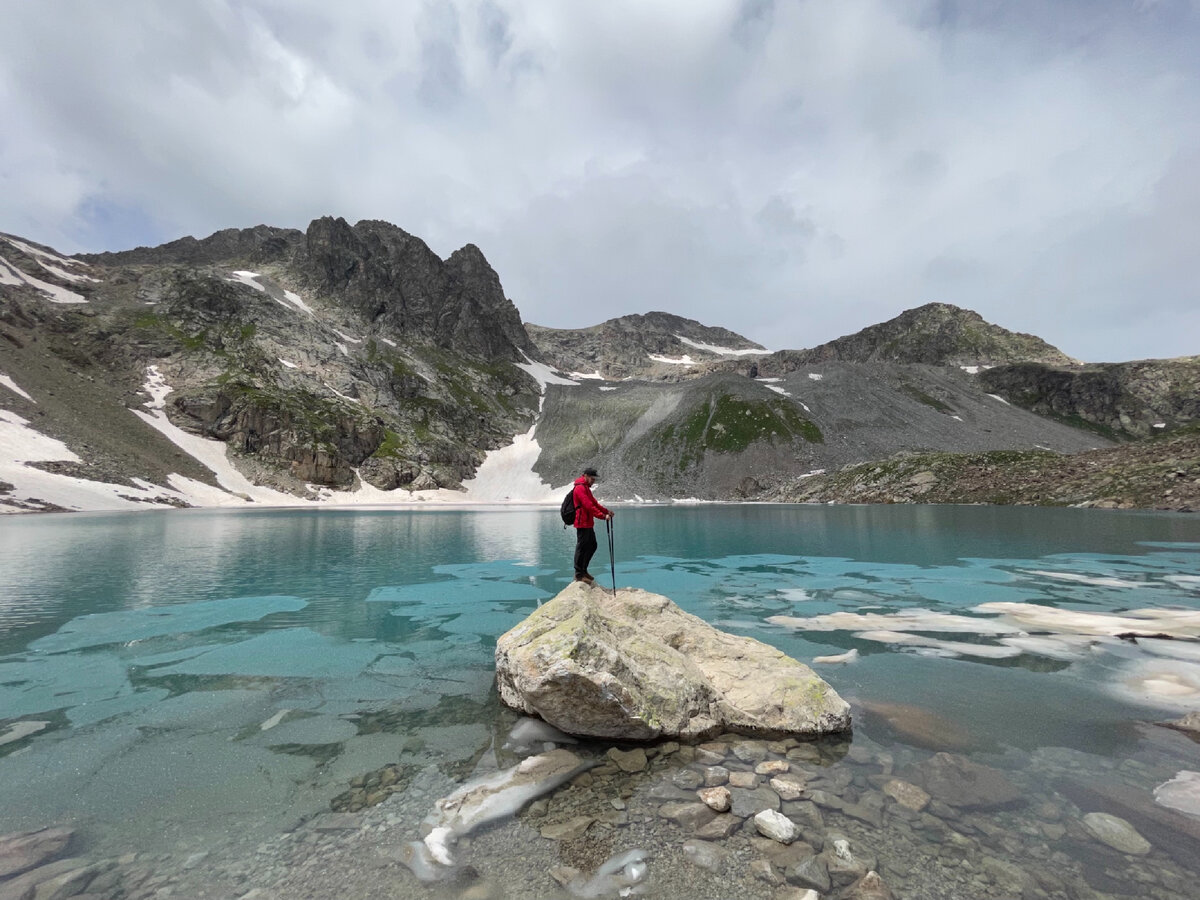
[[586, 507]]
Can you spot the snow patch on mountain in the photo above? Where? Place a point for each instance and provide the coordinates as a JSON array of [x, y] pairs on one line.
[[297, 301], [249, 279], [721, 351], [53, 292], [12, 386], [33, 488], [40, 254]]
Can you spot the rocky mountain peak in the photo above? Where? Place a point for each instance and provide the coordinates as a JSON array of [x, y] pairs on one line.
[[388, 275], [656, 344], [937, 334], [260, 244]]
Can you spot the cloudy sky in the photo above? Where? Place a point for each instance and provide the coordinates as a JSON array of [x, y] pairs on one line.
[[792, 169]]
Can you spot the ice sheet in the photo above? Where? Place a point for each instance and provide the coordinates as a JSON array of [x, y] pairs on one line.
[[131, 625]]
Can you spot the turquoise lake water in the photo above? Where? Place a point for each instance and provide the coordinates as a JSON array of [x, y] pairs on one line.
[[156, 646]]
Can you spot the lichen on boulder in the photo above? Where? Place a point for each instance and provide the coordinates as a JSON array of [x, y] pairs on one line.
[[637, 667]]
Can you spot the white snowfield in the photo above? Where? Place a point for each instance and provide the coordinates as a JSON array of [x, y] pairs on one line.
[[247, 278], [684, 360], [505, 476], [721, 351], [20, 444], [10, 274]]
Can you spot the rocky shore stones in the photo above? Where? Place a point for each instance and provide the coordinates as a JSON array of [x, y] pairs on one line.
[[788, 787], [870, 887], [637, 667], [716, 798], [628, 761], [776, 826]]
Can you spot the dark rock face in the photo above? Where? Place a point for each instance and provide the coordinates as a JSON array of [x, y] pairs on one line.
[[935, 334], [322, 445], [1121, 399], [385, 273]]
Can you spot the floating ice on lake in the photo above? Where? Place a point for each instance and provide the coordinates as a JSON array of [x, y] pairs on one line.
[[311, 730], [19, 730], [274, 720], [960, 648], [848, 657], [130, 625], [1065, 647], [457, 595], [908, 620], [1190, 582], [1182, 793], [286, 653], [1143, 622], [1097, 581], [1165, 683]]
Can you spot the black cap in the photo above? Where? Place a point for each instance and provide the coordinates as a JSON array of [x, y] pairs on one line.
[[591, 472]]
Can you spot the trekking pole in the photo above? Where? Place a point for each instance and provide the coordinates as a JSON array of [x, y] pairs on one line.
[[612, 559]]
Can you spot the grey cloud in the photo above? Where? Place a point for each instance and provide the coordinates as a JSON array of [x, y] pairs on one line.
[[441, 76], [794, 171], [778, 216]]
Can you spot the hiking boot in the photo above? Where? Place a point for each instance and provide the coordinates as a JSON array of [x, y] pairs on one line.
[[588, 578]]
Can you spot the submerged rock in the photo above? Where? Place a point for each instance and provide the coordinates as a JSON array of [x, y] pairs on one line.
[[958, 782], [1189, 724], [1116, 832], [637, 667], [27, 849]]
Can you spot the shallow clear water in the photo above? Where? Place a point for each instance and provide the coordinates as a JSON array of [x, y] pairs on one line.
[[211, 674]]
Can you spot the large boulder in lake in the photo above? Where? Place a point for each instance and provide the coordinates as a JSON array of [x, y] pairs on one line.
[[637, 667]]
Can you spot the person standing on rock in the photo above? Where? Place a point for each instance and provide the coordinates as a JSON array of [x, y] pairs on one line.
[[587, 510]]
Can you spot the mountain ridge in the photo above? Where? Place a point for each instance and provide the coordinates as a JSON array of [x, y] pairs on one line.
[[344, 360]]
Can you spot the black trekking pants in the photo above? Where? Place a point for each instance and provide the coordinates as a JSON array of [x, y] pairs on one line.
[[585, 549]]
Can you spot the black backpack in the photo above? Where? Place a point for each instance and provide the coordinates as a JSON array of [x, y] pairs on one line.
[[568, 508]]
